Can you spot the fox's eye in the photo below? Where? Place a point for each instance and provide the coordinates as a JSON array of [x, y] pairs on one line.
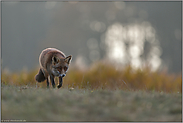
[[65, 68]]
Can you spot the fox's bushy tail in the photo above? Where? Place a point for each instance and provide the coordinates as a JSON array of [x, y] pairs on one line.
[[40, 76]]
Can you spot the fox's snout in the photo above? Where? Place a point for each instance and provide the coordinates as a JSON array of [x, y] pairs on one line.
[[62, 75]]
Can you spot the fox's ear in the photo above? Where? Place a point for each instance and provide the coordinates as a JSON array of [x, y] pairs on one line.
[[55, 60], [68, 59]]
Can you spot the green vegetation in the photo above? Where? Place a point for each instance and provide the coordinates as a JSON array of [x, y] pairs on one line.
[[100, 93], [22, 103]]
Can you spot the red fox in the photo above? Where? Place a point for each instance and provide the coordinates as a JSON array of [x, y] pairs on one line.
[[53, 63]]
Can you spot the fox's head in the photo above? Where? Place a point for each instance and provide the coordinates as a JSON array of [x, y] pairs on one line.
[[60, 66]]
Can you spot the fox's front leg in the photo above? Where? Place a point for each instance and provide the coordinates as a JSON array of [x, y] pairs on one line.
[[47, 83], [52, 81], [60, 82]]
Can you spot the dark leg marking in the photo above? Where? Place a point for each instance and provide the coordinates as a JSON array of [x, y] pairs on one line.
[[60, 82], [47, 83], [52, 81]]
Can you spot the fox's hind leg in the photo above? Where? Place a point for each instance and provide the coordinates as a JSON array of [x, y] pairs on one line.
[[60, 82], [52, 81]]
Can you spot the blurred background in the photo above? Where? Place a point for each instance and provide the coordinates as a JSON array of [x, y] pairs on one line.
[[124, 33]]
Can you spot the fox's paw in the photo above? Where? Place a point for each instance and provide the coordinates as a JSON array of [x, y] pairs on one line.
[[59, 86]]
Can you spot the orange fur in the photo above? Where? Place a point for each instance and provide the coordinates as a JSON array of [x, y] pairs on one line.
[[53, 63]]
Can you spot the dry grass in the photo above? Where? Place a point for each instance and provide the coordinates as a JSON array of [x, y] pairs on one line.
[[102, 93], [105, 76]]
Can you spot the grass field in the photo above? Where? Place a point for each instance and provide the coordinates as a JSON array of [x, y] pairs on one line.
[[101, 92], [105, 76], [26, 103]]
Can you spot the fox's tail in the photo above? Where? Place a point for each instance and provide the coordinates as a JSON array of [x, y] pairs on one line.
[[40, 76]]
